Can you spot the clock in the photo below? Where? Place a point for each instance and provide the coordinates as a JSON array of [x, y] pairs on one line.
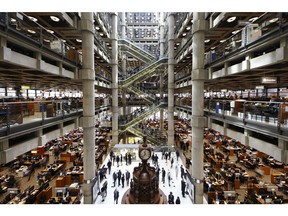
[[144, 154]]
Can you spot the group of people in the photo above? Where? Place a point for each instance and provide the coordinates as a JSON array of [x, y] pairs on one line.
[[166, 166]]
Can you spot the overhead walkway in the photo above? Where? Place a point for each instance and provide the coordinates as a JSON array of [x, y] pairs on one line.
[[144, 73], [135, 51], [141, 92]]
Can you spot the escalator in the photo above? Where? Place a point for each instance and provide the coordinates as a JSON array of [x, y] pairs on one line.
[[141, 92], [140, 116], [135, 51], [144, 73]]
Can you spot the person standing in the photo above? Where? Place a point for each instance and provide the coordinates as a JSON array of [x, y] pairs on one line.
[[171, 198], [119, 174], [109, 164], [172, 161], [116, 195], [114, 179], [163, 175], [182, 171], [123, 180], [176, 171], [169, 177], [177, 154], [117, 160], [177, 200], [183, 187], [127, 175]]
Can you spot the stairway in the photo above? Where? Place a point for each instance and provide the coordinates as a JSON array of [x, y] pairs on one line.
[[135, 51]]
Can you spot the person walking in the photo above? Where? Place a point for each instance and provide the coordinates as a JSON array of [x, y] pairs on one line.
[[177, 200], [116, 196]]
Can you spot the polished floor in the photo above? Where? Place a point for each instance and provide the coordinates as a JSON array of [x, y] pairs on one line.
[[175, 184]]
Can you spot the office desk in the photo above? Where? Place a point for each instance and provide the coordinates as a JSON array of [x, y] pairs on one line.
[[52, 168], [73, 198]]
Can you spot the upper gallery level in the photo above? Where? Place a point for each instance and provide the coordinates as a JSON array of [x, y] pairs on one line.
[[240, 49]]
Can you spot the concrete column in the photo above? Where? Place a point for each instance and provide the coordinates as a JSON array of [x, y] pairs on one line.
[[225, 126], [4, 144], [283, 145], [41, 138], [247, 133], [162, 41], [114, 62], [61, 127], [161, 110], [76, 122], [123, 25], [60, 65], [3, 42], [198, 119], [209, 122], [88, 119], [124, 69], [171, 24]]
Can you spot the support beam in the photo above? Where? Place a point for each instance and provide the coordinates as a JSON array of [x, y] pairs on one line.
[[198, 119], [171, 36], [88, 119], [162, 41], [124, 71], [114, 62]]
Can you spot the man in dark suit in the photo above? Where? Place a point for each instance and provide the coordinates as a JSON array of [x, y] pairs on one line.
[[183, 187]]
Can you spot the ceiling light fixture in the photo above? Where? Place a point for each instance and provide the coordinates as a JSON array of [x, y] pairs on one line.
[[78, 40], [101, 34], [207, 41], [50, 31], [31, 31], [188, 28], [13, 20], [253, 19], [54, 18], [184, 34], [222, 41], [97, 28], [273, 20], [231, 19], [236, 31], [33, 18]]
